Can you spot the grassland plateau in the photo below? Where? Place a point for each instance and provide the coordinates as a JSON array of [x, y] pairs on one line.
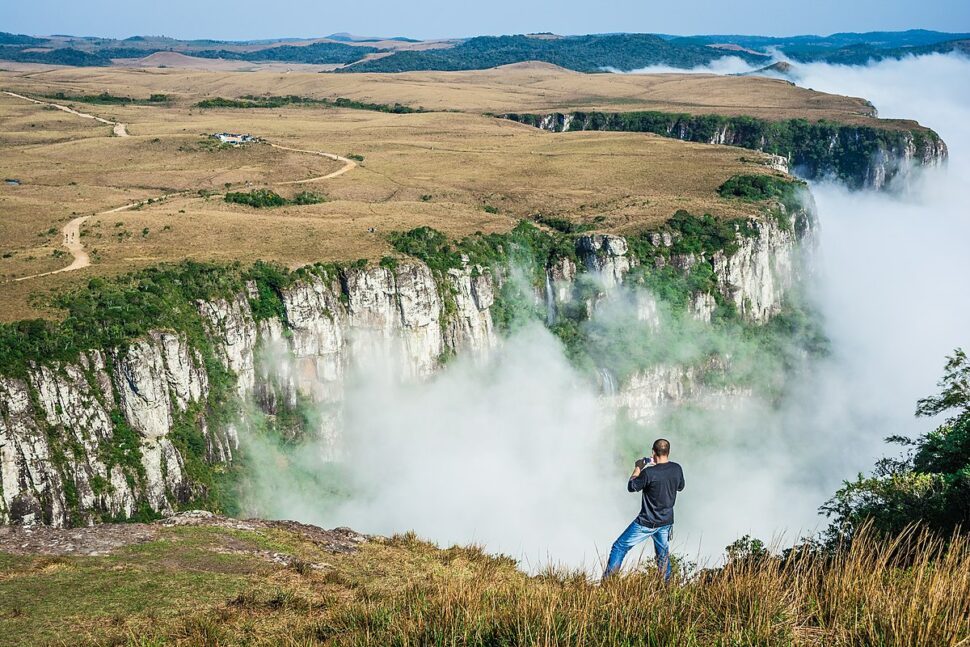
[[154, 196]]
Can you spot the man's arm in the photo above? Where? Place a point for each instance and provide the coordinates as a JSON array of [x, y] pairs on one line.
[[638, 480], [680, 486]]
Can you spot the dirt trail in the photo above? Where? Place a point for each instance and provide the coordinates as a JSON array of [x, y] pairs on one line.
[[72, 237], [72, 241], [348, 164], [72, 230], [119, 129]]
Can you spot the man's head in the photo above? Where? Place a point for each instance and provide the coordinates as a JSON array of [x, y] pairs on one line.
[[661, 450]]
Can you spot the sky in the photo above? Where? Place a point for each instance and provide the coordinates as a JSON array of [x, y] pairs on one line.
[[249, 19]]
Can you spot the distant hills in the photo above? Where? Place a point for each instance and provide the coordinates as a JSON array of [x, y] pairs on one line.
[[845, 48], [589, 53], [581, 53], [351, 38]]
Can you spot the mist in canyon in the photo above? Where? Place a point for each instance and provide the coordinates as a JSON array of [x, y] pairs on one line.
[[524, 454], [894, 265]]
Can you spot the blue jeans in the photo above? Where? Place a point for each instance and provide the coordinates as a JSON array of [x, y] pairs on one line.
[[635, 534]]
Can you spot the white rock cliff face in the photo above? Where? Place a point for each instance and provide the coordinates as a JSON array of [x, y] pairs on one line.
[[898, 164], [59, 422], [68, 431], [606, 256], [759, 275]]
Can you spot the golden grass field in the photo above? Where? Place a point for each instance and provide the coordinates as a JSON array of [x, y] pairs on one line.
[[522, 87], [439, 169]]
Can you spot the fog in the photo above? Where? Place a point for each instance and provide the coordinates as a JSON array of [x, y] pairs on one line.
[[522, 454], [893, 287], [723, 65]]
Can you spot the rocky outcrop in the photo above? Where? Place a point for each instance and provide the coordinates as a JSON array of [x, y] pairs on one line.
[[471, 330], [897, 162], [605, 256], [96, 439], [756, 276], [874, 156], [396, 314], [230, 322], [647, 394]]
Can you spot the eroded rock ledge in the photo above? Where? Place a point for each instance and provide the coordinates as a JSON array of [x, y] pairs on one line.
[[104, 539]]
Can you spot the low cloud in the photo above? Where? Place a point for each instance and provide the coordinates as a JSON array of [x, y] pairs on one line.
[[723, 65], [894, 265]]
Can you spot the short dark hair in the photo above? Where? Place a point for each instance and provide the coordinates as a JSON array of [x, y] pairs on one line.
[[661, 447]]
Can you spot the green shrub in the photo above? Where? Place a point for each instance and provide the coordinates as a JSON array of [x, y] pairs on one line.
[[308, 197], [428, 245], [751, 187], [270, 280], [756, 188], [253, 101], [105, 98], [257, 198], [219, 102], [930, 485], [563, 225]]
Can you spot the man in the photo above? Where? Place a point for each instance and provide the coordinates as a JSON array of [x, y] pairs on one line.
[[660, 480]]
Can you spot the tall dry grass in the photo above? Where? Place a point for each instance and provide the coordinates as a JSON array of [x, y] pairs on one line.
[[913, 590]]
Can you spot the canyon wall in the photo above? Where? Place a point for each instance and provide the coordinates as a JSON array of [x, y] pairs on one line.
[[125, 432], [862, 156]]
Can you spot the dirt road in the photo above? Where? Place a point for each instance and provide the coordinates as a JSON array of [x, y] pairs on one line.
[[72, 230]]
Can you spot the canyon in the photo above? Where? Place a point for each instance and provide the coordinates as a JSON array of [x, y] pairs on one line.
[[123, 432]]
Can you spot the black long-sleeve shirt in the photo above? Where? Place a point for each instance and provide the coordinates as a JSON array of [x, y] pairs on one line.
[[660, 484]]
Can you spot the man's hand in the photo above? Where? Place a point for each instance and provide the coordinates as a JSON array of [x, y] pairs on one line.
[[637, 468]]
